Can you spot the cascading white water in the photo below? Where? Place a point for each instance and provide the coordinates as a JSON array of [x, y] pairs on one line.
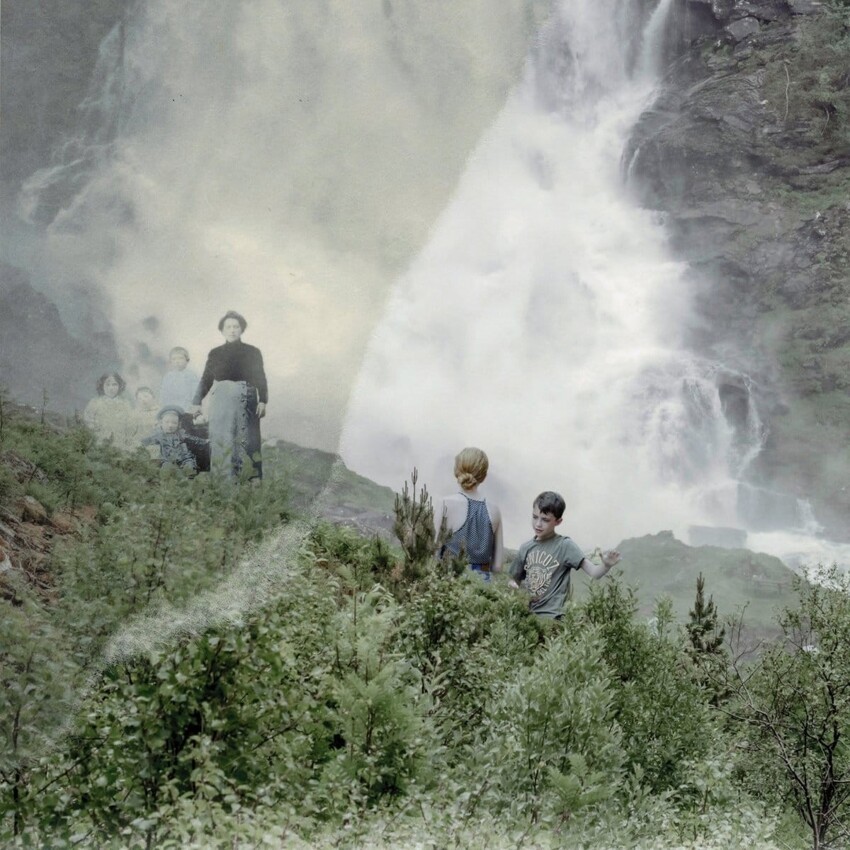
[[652, 57], [543, 321]]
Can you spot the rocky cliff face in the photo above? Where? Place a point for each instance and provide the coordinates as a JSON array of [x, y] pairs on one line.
[[747, 153], [41, 363]]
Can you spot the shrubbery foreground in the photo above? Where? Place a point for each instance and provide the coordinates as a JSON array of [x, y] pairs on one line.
[[379, 698]]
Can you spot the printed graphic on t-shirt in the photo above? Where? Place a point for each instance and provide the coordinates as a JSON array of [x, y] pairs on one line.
[[539, 567]]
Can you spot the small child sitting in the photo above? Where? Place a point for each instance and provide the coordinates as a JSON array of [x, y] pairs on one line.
[[170, 442]]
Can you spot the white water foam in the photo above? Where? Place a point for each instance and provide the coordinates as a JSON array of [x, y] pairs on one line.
[[543, 321]]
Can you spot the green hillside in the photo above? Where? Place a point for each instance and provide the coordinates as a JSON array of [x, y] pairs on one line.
[[188, 663], [740, 581]]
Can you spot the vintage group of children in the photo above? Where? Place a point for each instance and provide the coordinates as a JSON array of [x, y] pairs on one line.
[[172, 435], [543, 564]]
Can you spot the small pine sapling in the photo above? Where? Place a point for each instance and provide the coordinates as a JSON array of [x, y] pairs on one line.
[[705, 633], [414, 528]]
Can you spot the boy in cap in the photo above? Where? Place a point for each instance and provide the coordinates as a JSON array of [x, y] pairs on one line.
[[170, 442]]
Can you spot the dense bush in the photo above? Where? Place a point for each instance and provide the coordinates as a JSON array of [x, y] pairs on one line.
[[791, 708], [371, 698], [145, 538], [663, 713]]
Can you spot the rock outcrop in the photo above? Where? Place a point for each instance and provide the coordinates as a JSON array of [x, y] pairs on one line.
[[747, 153], [41, 362]]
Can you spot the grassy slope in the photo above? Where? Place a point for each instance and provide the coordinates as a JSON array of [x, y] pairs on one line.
[[662, 564], [655, 565]]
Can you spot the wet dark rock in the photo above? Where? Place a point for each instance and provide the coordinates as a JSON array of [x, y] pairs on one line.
[[40, 360], [743, 27], [751, 170]]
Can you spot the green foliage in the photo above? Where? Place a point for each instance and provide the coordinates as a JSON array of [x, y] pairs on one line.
[[155, 538], [809, 86], [706, 643], [414, 528], [704, 630], [370, 699], [307, 702], [556, 747], [34, 699], [9, 487], [379, 709], [794, 702], [465, 637], [661, 710], [166, 546]]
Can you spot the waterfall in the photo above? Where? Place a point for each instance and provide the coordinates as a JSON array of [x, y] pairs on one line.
[[544, 319], [652, 57], [456, 178]]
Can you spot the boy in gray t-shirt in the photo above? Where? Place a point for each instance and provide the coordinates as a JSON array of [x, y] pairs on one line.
[[543, 564]]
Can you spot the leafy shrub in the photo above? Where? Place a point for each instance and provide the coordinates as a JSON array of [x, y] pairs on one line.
[[34, 699], [213, 718], [793, 707], [465, 637], [555, 743], [365, 703], [377, 711], [665, 720]]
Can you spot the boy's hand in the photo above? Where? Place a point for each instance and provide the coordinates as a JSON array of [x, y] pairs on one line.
[[611, 558], [261, 409], [513, 584]]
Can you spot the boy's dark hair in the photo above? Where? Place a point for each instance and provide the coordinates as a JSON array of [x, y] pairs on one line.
[[549, 502]]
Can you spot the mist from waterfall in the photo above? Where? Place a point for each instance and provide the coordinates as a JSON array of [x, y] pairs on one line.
[[544, 320], [282, 159]]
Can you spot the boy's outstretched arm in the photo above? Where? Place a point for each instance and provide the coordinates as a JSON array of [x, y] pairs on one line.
[[609, 559]]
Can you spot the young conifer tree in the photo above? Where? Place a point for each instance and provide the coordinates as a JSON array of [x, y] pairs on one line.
[[414, 527], [705, 633]]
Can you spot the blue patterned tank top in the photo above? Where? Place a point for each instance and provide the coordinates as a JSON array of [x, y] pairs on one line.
[[475, 535]]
